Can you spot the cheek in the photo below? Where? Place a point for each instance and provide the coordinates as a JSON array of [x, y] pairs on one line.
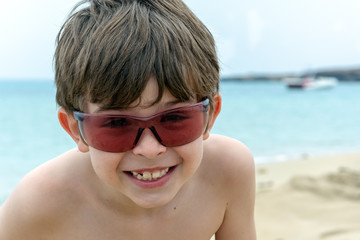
[[192, 153], [105, 164]]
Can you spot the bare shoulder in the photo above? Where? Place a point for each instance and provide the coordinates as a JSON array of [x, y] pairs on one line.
[[232, 164], [41, 198], [229, 154]]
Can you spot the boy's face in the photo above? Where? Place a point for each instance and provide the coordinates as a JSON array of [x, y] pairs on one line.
[[150, 174]]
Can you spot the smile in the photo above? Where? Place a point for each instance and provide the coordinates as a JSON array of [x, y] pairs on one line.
[[150, 176]]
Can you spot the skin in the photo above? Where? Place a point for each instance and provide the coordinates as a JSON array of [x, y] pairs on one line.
[[86, 194]]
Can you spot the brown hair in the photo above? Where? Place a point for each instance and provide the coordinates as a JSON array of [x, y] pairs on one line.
[[108, 50]]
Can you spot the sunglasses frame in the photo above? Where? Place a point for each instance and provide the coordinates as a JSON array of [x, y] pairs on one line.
[[80, 117]]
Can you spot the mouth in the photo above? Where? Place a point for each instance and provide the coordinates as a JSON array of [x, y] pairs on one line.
[[150, 175]]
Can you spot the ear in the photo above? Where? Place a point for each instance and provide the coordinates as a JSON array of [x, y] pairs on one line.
[[214, 114], [69, 124]]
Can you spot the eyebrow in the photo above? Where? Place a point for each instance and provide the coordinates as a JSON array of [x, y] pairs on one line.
[[165, 105]]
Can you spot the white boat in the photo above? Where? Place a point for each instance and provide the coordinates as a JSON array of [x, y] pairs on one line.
[[311, 82]]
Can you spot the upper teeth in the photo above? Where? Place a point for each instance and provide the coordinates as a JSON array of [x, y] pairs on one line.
[[148, 176]]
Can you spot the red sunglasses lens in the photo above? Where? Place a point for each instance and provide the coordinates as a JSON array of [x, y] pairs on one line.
[[179, 128], [113, 133], [101, 133]]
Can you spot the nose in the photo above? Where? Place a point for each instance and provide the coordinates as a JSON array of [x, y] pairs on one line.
[[148, 145]]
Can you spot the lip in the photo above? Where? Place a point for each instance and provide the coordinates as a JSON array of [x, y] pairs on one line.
[[149, 169], [153, 183]]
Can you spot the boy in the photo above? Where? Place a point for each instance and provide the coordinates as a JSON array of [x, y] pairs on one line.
[[137, 85]]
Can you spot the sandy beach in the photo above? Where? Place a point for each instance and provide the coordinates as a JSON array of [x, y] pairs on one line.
[[313, 198]]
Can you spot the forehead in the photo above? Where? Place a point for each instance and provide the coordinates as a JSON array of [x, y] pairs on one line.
[[150, 95], [145, 102]]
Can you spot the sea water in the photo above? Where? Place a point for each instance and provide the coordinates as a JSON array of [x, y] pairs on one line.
[[276, 123]]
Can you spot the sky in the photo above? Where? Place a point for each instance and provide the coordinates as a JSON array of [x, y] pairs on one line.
[[252, 36]]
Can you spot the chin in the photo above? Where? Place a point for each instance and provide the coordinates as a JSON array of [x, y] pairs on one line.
[[152, 203]]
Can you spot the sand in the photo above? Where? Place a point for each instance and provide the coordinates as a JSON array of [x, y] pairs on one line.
[[308, 199]]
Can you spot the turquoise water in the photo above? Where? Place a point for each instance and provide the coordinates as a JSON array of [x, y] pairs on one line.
[[276, 123], [279, 124]]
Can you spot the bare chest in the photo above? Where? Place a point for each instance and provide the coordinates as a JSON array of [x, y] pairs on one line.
[[197, 219]]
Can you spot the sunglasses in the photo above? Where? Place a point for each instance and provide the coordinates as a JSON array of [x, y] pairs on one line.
[[121, 133]]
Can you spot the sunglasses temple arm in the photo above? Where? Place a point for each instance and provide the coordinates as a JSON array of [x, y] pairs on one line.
[[81, 133]]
